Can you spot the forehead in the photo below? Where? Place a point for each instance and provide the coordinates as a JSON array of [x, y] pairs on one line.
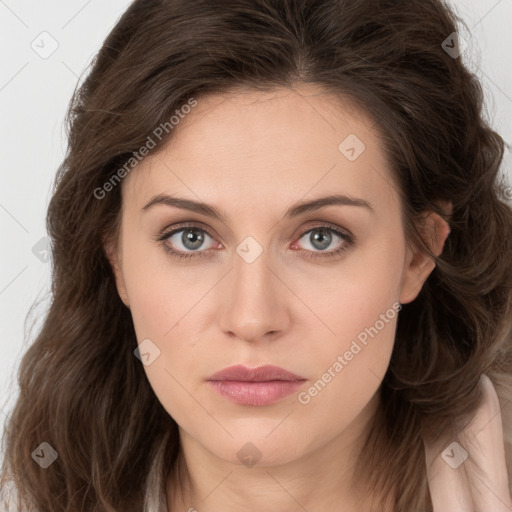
[[253, 146]]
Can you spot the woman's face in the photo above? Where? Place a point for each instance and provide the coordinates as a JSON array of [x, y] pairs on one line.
[[267, 283]]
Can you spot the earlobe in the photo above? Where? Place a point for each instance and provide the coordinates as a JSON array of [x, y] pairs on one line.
[[113, 257], [419, 265]]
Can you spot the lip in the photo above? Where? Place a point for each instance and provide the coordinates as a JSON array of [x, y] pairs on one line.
[[264, 373], [255, 386]]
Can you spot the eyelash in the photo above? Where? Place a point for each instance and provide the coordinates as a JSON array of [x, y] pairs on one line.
[[349, 240]]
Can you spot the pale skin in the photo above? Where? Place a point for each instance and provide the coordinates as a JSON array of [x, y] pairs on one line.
[[252, 156]]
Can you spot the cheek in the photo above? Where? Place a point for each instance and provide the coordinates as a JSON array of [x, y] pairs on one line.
[[160, 290], [355, 294], [360, 306], [167, 305], [353, 358]]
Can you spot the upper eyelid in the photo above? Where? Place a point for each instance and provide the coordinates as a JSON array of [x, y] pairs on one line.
[[177, 228]]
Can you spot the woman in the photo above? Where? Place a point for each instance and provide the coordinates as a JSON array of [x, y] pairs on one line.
[[281, 270]]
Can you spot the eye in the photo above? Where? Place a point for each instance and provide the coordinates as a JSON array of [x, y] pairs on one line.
[[190, 241], [187, 241], [320, 238]]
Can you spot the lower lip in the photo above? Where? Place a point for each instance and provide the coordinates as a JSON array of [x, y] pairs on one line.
[[255, 393]]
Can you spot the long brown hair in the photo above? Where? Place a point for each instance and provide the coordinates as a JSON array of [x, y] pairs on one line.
[[84, 393]]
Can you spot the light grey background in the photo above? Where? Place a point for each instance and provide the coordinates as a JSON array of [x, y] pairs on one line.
[[35, 88]]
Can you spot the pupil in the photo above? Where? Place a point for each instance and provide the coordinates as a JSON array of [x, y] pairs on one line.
[[323, 237], [191, 239]]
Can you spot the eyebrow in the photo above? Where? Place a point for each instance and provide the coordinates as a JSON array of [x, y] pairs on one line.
[[294, 211]]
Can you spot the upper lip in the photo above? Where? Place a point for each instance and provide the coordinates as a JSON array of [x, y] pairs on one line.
[[264, 373]]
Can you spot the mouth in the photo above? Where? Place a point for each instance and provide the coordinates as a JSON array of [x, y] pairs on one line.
[[257, 387]]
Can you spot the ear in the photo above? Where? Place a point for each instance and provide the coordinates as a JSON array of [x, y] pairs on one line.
[[418, 265], [114, 257]]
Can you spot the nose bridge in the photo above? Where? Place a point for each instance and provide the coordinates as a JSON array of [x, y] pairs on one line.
[[253, 304]]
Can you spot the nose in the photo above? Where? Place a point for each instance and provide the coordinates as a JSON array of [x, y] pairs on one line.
[[254, 302]]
